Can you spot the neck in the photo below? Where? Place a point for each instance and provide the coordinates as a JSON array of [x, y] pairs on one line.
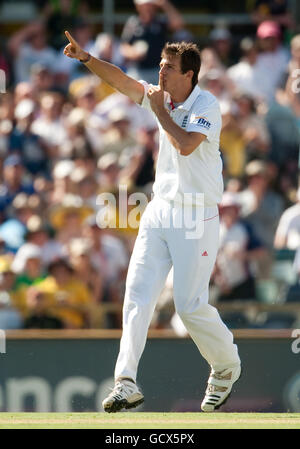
[[180, 97]]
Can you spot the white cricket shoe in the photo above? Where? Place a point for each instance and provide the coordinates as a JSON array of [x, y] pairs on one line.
[[219, 387], [124, 395]]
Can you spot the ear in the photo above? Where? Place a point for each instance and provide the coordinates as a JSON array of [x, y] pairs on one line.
[[189, 74]]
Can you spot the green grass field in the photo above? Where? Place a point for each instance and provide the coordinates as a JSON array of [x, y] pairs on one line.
[[142, 420]]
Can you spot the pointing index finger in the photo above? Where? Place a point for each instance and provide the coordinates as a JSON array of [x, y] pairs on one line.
[[161, 82], [70, 38]]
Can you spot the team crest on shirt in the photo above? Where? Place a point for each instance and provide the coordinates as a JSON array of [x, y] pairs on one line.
[[184, 122], [202, 121]]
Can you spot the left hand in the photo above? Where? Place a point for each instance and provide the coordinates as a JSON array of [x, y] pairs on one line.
[[156, 96]]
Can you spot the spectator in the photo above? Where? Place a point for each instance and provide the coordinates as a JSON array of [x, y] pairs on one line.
[[217, 83], [108, 48], [28, 268], [139, 170], [13, 181], [86, 186], [138, 117], [109, 257], [38, 315], [49, 124], [108, 253], [68, 216], [69, 297], [118, 135], [210, 61], [292, 84], [41, 78], [233, 144], [233, 274], [245, 74], [221, 42], [28, 144], [273, 58], [285, 138], [10, 317], [39, 233], [79, 250], [260, 206], [77, 143], [70, 69], [23, 90], [297, 268], [62, 184], [29, 46], [288, 230], [253, 127], [61, 15], [276, 10], [144, 36], [110, 170]]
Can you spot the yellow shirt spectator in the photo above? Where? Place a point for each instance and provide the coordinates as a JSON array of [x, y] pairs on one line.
[[69, 298]]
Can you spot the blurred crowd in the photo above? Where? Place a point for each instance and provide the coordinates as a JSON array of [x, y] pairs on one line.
[[66, 138]]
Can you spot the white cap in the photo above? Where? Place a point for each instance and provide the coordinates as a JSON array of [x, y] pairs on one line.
[[63, 169], [24, 108], [118, 114], [230, 199], [220, 34], [107, 160], [25, 252], [143, 2]]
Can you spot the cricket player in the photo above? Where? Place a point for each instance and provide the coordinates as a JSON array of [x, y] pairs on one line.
[[189, 164]]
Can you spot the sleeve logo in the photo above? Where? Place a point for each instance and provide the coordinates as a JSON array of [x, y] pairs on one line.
[[199, 120]]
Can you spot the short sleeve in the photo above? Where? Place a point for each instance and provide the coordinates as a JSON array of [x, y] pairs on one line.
[[206, 120], [146, 102], [283, 225]]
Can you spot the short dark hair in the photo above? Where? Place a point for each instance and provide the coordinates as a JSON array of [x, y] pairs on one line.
[[189, 54]]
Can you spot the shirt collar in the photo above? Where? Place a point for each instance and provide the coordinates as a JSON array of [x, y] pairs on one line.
[[188, 103]]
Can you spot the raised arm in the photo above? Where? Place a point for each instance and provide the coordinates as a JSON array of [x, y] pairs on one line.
[[175, 19], [109, 73]]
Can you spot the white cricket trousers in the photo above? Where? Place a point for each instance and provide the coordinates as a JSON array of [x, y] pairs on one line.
[[159, 246]]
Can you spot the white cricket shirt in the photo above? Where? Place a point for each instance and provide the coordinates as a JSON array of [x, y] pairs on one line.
[[201, 171]]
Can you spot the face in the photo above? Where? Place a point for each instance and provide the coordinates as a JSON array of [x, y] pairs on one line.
[[61, 274], [38, 39], [13, 173], [244, 106], [173, 78], [229, 215], [269, 43], [147, 12], [33, 266]]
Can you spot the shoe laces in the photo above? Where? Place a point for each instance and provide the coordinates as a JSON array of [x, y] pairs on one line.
[[120, 390], [221, 376]]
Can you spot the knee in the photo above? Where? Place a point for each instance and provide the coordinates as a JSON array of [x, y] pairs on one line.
[[187, 311]]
